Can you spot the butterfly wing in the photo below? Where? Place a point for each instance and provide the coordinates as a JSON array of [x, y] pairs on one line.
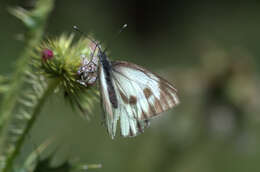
[[111, 119], [140, 95]]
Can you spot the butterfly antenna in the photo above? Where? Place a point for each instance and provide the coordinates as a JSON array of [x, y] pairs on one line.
[[115, 37], [76, 28]]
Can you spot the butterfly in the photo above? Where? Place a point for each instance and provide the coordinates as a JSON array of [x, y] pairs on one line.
[[129, 93]]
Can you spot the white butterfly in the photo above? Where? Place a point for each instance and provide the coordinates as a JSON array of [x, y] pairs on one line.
[[129, 93]]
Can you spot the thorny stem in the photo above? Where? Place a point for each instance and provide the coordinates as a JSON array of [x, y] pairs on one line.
[[34, 36], [10, 160]]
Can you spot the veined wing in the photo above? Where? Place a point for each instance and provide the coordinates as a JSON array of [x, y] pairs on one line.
[[141, 95]]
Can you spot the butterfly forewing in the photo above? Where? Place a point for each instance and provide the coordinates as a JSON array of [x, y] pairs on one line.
[[141, 95], [144, 91], [129, 93]]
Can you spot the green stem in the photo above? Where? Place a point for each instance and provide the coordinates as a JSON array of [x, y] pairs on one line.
[[10, 160], [34, 36], [39, 15]]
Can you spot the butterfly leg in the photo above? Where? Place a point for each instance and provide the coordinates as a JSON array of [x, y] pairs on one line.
[[82, 83]]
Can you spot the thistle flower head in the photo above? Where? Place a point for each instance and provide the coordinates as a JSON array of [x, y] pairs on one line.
[[62, 59]]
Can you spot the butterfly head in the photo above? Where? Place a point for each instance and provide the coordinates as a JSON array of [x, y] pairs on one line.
[[87, 72]]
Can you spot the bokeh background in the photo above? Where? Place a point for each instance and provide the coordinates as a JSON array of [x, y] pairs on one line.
[[208, 50]]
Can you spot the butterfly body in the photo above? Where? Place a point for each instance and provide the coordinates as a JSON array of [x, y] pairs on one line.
[[105, 64], [131, 94]]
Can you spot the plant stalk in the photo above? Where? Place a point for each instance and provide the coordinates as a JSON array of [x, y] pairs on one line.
[[10, 160], [34, 35]]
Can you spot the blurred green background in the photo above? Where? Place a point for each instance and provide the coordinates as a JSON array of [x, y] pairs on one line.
[[208, 50]]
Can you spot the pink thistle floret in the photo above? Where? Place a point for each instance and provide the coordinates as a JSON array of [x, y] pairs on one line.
[[47, 54]]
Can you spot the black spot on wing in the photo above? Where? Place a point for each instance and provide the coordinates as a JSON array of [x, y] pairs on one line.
[[147, 92], [132, 100]]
